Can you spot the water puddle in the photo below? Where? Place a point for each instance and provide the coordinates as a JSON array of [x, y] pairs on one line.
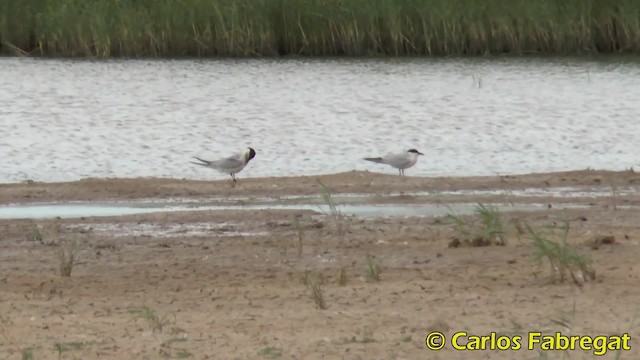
[[77, 210], [165, 230], [561, 191], [567, 192]]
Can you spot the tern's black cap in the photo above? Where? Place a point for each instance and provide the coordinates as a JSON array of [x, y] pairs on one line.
[[252, 154]]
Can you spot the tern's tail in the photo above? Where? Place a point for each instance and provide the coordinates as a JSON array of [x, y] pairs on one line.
[[375, 160], [202, 163]]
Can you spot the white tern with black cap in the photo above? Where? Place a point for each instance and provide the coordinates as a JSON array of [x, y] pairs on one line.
[[230, 165], [400, 161]]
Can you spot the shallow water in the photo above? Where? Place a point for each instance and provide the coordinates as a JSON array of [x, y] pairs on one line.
[[565, 192], [77, 210], [65, 120]]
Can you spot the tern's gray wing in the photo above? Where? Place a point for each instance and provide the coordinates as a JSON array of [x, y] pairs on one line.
[[228, 163], [397, 160]]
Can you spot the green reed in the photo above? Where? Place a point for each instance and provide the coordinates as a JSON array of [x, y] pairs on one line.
[[175, 28]]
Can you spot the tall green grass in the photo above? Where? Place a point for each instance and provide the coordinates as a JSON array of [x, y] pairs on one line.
[[175, 28]]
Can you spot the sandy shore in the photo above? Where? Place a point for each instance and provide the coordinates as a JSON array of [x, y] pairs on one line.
[[231, 284], [349, 182]]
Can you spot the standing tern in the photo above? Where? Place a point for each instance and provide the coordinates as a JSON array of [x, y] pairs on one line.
[[399, 161], [230, 165]]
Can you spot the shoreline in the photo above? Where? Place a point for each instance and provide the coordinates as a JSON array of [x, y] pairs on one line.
[[586, 56], [353, 182]]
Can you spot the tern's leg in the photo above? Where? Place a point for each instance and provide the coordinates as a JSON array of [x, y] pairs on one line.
[[233, 177]]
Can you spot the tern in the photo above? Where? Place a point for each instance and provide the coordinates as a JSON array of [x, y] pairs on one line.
[[230, 165], [400, 161]]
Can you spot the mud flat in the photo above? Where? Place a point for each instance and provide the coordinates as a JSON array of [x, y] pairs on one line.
[[235, 282]]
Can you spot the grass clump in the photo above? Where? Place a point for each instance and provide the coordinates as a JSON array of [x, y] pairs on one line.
[[334, 215], [27, 354], [7, 339], [314, 284], [299, 232], [373, 269], [35, 235], [270, 352], [317, 294], [67, 257], [355, 340], [490, 229], [297, 243], [563, 259], [61, 348], [156, 322], [366, 338], [491, 223], [342, 277], [168, 351]]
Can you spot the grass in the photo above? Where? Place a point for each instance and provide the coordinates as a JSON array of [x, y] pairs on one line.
[[35, 235], [67, 257], [156, 322], [366, 338], [314, 284], [518, 226], [168, 351], [489, 231], [296, 222], [564, 260], [27, 353], [373, 269], [61, 348], [317, 294], [342, 277], [170, 28], [7, 339], [492, 228], [183, 354], [304, 279], [564, 318], [355, 340], [615, 195], [334, 215], [270, 352]]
